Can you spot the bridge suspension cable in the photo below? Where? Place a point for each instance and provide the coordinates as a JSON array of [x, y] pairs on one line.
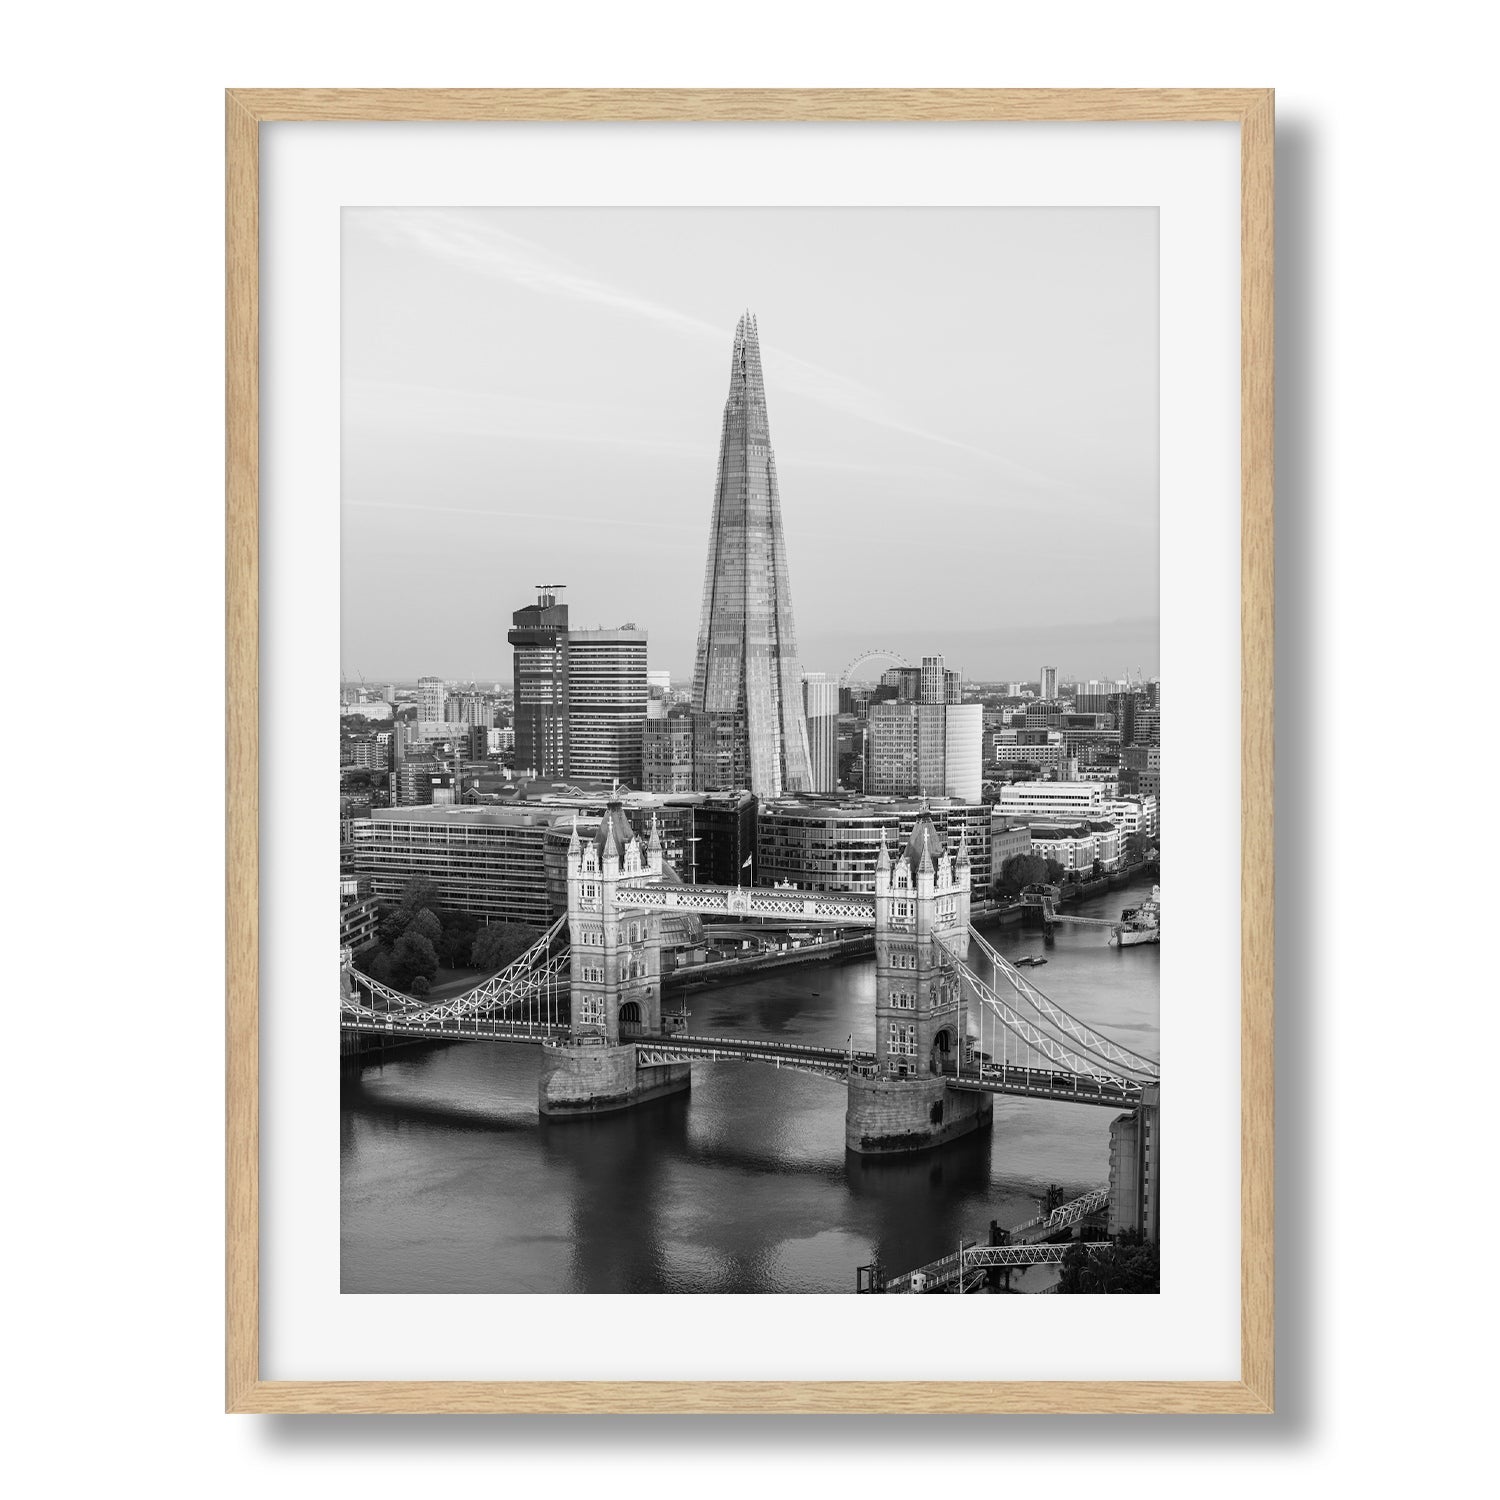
[[1058, 1055], [530, 981], [1067, 1025]]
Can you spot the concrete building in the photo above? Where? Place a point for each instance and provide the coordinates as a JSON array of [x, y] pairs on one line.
[[820, 700], [1007, 839], [1048, 684], [606, 698], [1133, 815], [667, 752], [432, 698], [371, 752], [1140, 771], [540, 638], [365, 708], [1075, 846], [359, 915], [485, 860], [749, 730], [1040, 800]]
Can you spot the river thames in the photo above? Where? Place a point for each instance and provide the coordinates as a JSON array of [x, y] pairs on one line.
[[452, 1183]]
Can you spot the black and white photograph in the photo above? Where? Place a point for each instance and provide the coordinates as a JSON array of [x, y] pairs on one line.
[[750, 806]]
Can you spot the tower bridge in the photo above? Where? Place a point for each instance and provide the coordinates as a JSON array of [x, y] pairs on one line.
[[589, 993]]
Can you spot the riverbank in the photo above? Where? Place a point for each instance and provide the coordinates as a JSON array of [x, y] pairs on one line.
[[697, 976]]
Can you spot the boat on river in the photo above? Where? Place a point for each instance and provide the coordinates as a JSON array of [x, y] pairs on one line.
[[1140, 924]]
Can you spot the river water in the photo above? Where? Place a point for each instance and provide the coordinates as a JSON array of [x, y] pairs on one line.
[[452, 1183]]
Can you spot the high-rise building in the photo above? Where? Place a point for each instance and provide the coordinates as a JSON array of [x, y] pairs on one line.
[[606, 689], [748, 725], [820, 701], [1049, 683], [432, 698], [934, 746], [667, 752], [540, 638]]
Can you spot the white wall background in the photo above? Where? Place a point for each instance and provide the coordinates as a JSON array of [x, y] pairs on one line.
[[112, 468]]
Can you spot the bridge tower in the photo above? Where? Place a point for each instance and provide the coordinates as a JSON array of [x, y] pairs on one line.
[[614, 979], [921, 917]]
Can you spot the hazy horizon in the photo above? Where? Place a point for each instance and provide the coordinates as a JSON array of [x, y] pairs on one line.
[[963, 408]]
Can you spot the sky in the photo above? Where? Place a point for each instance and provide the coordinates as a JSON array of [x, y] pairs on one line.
[[963, 409]]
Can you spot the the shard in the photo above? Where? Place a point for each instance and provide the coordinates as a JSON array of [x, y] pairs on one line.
[[748, 724]]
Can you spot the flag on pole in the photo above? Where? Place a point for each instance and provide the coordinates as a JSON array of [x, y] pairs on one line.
[[746, 864]]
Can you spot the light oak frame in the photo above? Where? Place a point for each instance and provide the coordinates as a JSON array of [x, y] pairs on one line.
[[245, 1391]]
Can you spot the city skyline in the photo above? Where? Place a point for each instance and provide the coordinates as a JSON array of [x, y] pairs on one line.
[[571, 357]]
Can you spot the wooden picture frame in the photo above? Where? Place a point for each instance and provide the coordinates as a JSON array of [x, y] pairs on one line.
[[246, 109]]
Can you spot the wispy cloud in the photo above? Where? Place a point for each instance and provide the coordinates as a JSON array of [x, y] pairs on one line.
[[502, 515], [470, 241]]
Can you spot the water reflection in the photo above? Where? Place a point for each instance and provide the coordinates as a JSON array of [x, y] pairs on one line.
[[452, 1183]]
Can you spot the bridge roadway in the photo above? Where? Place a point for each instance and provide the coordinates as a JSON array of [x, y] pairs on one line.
[[805, 1057]]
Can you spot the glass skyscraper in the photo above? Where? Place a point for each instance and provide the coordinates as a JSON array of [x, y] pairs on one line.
[[749, 729]]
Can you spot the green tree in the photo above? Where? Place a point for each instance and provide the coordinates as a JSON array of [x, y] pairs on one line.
[[412, 955], [500, 944], [420, 986]]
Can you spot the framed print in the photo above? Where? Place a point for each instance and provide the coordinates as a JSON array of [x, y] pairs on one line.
[[724, 966]]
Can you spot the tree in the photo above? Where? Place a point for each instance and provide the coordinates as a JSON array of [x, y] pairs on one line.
[[426, 924], [421, 894], [375, 963], [460, 928], [420, 986], [1021, 870], [1132, 1264], [412, 955], [500, 944], [1097, 869]]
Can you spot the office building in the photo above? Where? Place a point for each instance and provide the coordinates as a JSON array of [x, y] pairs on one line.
[[725, 828], [933, 746], [1048, 683], [540, 638], [432, 698], [749, 730], [832, 844], [485, 860], [606, 698], [1075, 846], [1041, 801], [1007, 840], [820, 700], [667, 752]]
